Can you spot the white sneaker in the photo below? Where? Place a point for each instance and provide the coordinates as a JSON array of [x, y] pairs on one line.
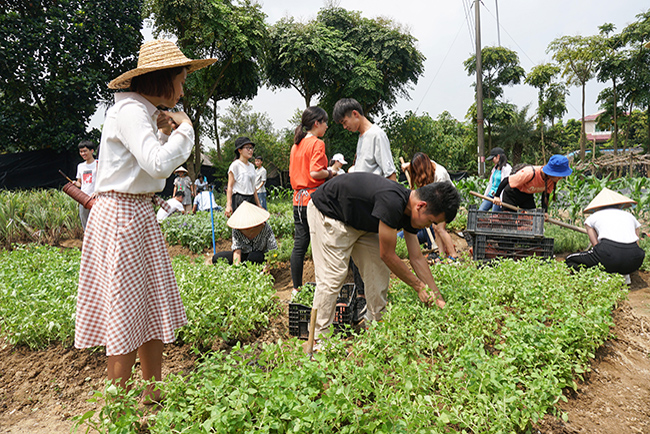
[[628, 281]]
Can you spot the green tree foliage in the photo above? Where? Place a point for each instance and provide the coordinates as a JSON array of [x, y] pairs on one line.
[[500, 67], [232, 31], [612, 66], [240, 120], [342, 54], [55, 61], [445, 140], [563, 137], [549, 105], [636, 85], [578, 58], [517, 135]]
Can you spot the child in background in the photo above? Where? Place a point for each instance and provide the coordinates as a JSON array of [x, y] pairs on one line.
[[86, 173]]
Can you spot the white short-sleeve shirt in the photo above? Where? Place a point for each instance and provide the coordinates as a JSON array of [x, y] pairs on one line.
[[615, 225], [244, 174]]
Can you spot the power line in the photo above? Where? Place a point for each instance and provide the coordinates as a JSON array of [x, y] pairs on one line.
[[440, 67]]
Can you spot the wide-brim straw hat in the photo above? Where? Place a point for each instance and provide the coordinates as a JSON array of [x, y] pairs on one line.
[[155, 55], [647, 44], [248, 216], [606, 198]]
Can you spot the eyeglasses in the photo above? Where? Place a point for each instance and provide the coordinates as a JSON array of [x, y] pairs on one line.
[[248, 148]]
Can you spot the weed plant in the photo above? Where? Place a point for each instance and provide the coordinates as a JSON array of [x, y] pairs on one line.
[[38, 291], [495, 360], [43, 216], [566, 240], [195, 231]]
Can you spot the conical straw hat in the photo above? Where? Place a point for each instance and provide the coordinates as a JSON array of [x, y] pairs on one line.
[[608, 197], [248, 216], [155, 55]]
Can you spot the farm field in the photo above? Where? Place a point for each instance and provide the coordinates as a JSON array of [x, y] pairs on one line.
[[42, 390], [511, 340]]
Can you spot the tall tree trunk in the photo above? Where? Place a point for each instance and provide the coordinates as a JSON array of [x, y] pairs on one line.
[[583, 135], [615, 117]]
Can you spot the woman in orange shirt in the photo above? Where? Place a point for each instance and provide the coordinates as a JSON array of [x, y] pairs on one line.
[[307, 171]]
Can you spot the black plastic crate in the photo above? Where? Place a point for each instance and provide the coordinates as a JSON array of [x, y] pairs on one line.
[[529, 224], [489, 247], [346, 312]]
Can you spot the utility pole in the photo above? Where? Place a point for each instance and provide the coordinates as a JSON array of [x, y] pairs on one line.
[[479, 94]]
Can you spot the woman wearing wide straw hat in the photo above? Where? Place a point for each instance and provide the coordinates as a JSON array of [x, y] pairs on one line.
[[614, 235], [252, 236], [128, 299], [519, 187]]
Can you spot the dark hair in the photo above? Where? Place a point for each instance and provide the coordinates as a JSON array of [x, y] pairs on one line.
[[158, 83], [179, 193], [259, 157], [440, 197], [422, 171], [87, 144], [503, 160], [310, 116], [344, 107]]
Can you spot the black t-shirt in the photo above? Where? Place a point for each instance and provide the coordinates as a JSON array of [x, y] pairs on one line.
[[362, 199]]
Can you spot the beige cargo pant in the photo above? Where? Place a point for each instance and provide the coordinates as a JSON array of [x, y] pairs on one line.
[[332, 244]]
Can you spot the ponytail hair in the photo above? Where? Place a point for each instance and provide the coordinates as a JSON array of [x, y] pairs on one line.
[[503, 160], [310, 116]]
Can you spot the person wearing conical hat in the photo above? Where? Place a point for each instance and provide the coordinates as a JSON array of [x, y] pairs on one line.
[[184, 183], [128, 299], [614, 236], [252, 235]]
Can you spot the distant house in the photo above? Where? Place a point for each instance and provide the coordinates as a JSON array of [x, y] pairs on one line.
[[595, 134]]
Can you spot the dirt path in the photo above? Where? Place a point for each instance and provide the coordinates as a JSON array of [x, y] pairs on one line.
[[40, 391]]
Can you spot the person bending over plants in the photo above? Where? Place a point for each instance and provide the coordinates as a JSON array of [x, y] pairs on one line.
[[252, 236], [358, 215], [518, 188]]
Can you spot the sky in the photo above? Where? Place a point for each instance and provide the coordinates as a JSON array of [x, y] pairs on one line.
[[442, 29]]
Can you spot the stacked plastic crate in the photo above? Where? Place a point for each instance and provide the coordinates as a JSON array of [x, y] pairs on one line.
[[350, 310], [507, 234]]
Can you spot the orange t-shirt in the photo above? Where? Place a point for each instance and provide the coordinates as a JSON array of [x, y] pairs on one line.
[[525, 182], [307, 156]]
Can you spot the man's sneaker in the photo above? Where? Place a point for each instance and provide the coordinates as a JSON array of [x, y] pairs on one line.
[[628, 281]]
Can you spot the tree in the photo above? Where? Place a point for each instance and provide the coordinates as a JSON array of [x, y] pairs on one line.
[[500, 67], [232, 31], [342, 54], [517, 134], [578, 58], [637, 80], [540, 77], [55, 61]]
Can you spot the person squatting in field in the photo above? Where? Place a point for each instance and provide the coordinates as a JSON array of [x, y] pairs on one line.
[[614, 236], [128, 299], [252, 236], [358, 215]]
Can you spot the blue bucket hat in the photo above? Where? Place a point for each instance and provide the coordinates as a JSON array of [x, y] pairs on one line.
[[558, 165]]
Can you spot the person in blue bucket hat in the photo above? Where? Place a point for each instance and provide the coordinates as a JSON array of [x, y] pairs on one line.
[[519, 187]]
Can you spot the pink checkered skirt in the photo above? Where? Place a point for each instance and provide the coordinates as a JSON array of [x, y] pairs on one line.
[[127, 289]]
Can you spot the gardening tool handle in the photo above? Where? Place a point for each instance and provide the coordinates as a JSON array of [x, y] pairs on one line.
[[309, 346], [505, 205], [550, 220], [66, 176]]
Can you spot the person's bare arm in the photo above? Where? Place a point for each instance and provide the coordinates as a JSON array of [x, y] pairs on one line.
[[236, 257], [392, 177], [387, 243], [231, 184], [593, 235], [445, 239]]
